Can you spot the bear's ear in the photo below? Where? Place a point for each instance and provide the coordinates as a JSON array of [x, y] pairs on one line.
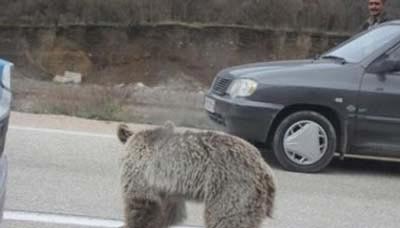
[[169, 126], [124, 133]]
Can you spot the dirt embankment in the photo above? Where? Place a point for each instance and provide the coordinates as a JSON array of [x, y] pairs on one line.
[[153, 54], [175, 63]]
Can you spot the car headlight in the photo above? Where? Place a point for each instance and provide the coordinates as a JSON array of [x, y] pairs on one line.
[[242, 88]]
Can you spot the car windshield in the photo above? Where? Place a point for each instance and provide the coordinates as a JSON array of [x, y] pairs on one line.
[[361, 47]]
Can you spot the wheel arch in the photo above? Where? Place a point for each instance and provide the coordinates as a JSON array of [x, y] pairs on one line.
[[329, 113]]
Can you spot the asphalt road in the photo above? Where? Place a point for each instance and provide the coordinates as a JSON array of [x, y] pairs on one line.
[[63, 172]]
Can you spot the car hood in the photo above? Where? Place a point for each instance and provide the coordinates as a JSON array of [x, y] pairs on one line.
[[261, 71], [4, 62]]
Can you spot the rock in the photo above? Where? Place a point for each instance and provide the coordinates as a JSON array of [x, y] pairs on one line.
[[140, 85], [68, 77], [61, 79], [74, 76]]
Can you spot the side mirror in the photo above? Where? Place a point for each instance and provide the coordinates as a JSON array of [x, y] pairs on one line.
[[384, 66]]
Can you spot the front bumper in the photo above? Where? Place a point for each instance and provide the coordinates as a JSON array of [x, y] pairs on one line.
[[3, 183], [3, 163], [244, 118]]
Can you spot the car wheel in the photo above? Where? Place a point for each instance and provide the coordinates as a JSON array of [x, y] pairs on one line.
[[304, 141]]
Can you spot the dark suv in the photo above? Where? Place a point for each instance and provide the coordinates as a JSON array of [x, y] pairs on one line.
[[344, 101], [5, 100]]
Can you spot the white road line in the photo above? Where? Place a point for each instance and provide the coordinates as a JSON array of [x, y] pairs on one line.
[[57, 131], [68, 219], [61, 219]]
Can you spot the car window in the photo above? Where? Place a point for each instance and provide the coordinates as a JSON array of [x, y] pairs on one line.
[[395, 55], [361, 47]]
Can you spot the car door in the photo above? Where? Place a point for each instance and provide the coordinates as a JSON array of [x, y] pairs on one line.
[[378, 114]]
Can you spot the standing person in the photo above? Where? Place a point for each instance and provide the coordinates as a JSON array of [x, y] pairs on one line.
[[377, 14]]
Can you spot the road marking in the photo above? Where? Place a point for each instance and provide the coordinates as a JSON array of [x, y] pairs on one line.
[[57, 131], [61, 219], [69, 219]]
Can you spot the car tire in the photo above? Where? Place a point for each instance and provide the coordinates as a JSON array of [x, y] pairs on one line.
[[304, 141]]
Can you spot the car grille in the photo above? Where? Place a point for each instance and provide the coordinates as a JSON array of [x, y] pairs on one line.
[[221, 85], [216, 118]]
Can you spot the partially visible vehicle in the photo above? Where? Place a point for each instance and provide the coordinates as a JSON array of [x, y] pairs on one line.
[[344, 101], [5, 104]]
